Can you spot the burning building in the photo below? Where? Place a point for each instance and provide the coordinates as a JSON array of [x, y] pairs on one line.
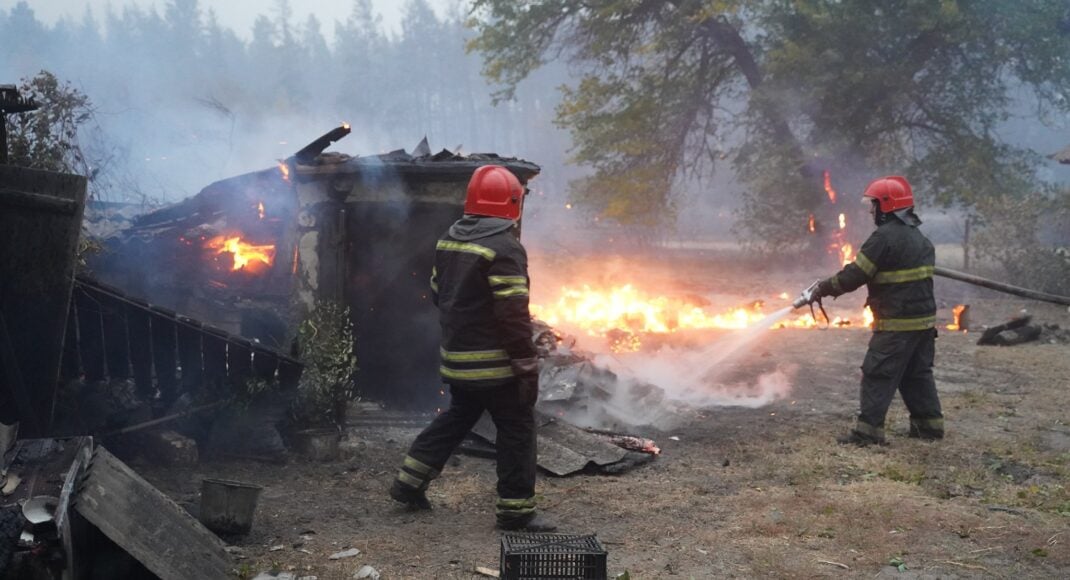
[[254, 254]]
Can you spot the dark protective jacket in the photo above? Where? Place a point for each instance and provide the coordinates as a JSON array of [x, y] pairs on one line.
[[480, 285], [896, 263]]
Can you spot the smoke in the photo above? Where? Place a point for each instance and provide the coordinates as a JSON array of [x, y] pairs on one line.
[[668, 387]]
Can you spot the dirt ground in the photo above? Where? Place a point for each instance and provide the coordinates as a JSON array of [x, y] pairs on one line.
[[743, 493]]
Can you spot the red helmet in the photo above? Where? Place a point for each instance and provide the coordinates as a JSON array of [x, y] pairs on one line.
[[892, 193], [494, 191]]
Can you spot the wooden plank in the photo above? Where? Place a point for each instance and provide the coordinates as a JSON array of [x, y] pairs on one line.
[[70, 366], [239, 362], [116, 341], [90, 336], [190, 355], [215, 360], [147, 524], [37, 261], [265, 363], [139, 331], [289, 374], [164, 355]]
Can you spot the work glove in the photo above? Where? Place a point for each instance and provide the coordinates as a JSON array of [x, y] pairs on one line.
[[527, 377]]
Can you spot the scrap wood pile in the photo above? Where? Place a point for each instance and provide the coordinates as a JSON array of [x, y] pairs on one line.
[[1021, 330]]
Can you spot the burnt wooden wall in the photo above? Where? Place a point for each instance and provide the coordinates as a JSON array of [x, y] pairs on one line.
[[40, 219], [114, 336]]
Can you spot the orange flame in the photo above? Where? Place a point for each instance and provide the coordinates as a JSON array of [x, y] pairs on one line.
[[846, 254], [811, 224], [843, 221], [284, 169], [957, 313], [247, 257], [828, 187], [260, 210], [621, 314]]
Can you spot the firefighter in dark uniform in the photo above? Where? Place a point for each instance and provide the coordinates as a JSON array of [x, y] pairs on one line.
[[480, 285], [896, 264]]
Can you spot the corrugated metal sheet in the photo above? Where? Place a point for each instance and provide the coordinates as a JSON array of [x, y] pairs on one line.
[[563, 448]]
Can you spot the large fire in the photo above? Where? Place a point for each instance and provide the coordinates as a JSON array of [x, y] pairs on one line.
[[622, 314], [253, 258]]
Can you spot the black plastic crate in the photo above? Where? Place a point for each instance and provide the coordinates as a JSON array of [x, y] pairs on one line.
[[552, 557]]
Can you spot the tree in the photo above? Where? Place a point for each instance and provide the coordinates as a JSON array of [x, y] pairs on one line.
[[48, 138], [787, 90]]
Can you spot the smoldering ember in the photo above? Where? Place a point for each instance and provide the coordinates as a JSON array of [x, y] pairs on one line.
[[641, 290]]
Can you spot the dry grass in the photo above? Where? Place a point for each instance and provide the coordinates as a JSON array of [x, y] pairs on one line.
[[990, 501]]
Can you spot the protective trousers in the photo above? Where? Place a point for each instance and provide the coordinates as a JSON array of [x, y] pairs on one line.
[[903, 361], [515, 444]]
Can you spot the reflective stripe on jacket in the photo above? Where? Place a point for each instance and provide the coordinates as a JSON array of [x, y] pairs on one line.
[[896, 264], [480, 285]]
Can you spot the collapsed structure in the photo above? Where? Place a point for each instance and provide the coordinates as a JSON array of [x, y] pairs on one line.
[[253, 254]]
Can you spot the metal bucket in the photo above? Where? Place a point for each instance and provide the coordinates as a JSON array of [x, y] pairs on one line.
[[227, 507], [317, 444]]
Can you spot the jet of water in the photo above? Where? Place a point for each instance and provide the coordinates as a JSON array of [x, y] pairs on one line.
[[704, 363]]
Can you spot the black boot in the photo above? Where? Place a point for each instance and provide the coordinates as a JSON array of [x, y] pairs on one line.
[[414, 498], [853, 437], [532, 523], [920, 432]]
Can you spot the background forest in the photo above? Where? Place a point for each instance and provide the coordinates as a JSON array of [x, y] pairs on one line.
[[654, 120]]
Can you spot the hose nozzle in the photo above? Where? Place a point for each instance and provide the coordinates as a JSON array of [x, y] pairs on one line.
[[807, 296]]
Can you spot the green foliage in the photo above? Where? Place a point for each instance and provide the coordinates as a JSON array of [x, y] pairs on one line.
[[1012, 234], [325, 340], [918, 88], [48, 138]]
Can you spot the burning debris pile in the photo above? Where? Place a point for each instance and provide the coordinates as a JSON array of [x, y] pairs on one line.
[[212, 256], [1020, 330], [580, 387]]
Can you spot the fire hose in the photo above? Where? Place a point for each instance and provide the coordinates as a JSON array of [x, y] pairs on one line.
[[1000, 286], [810, 296]]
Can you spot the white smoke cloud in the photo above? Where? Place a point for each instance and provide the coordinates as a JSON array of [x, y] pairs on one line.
[[667, 387]]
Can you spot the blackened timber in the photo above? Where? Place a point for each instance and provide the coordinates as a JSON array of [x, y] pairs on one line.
[[189, 354], [116, 341], [164, 359], [239, 363], [139, 330], [289, 374], [90, 336], [44, 203], [71, 365], [309, 152], [158, 311], [265, 363], [37, 261], [215, 360]]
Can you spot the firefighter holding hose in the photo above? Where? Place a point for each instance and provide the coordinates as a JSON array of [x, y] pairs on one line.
[[896, 264], [480, 285]]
